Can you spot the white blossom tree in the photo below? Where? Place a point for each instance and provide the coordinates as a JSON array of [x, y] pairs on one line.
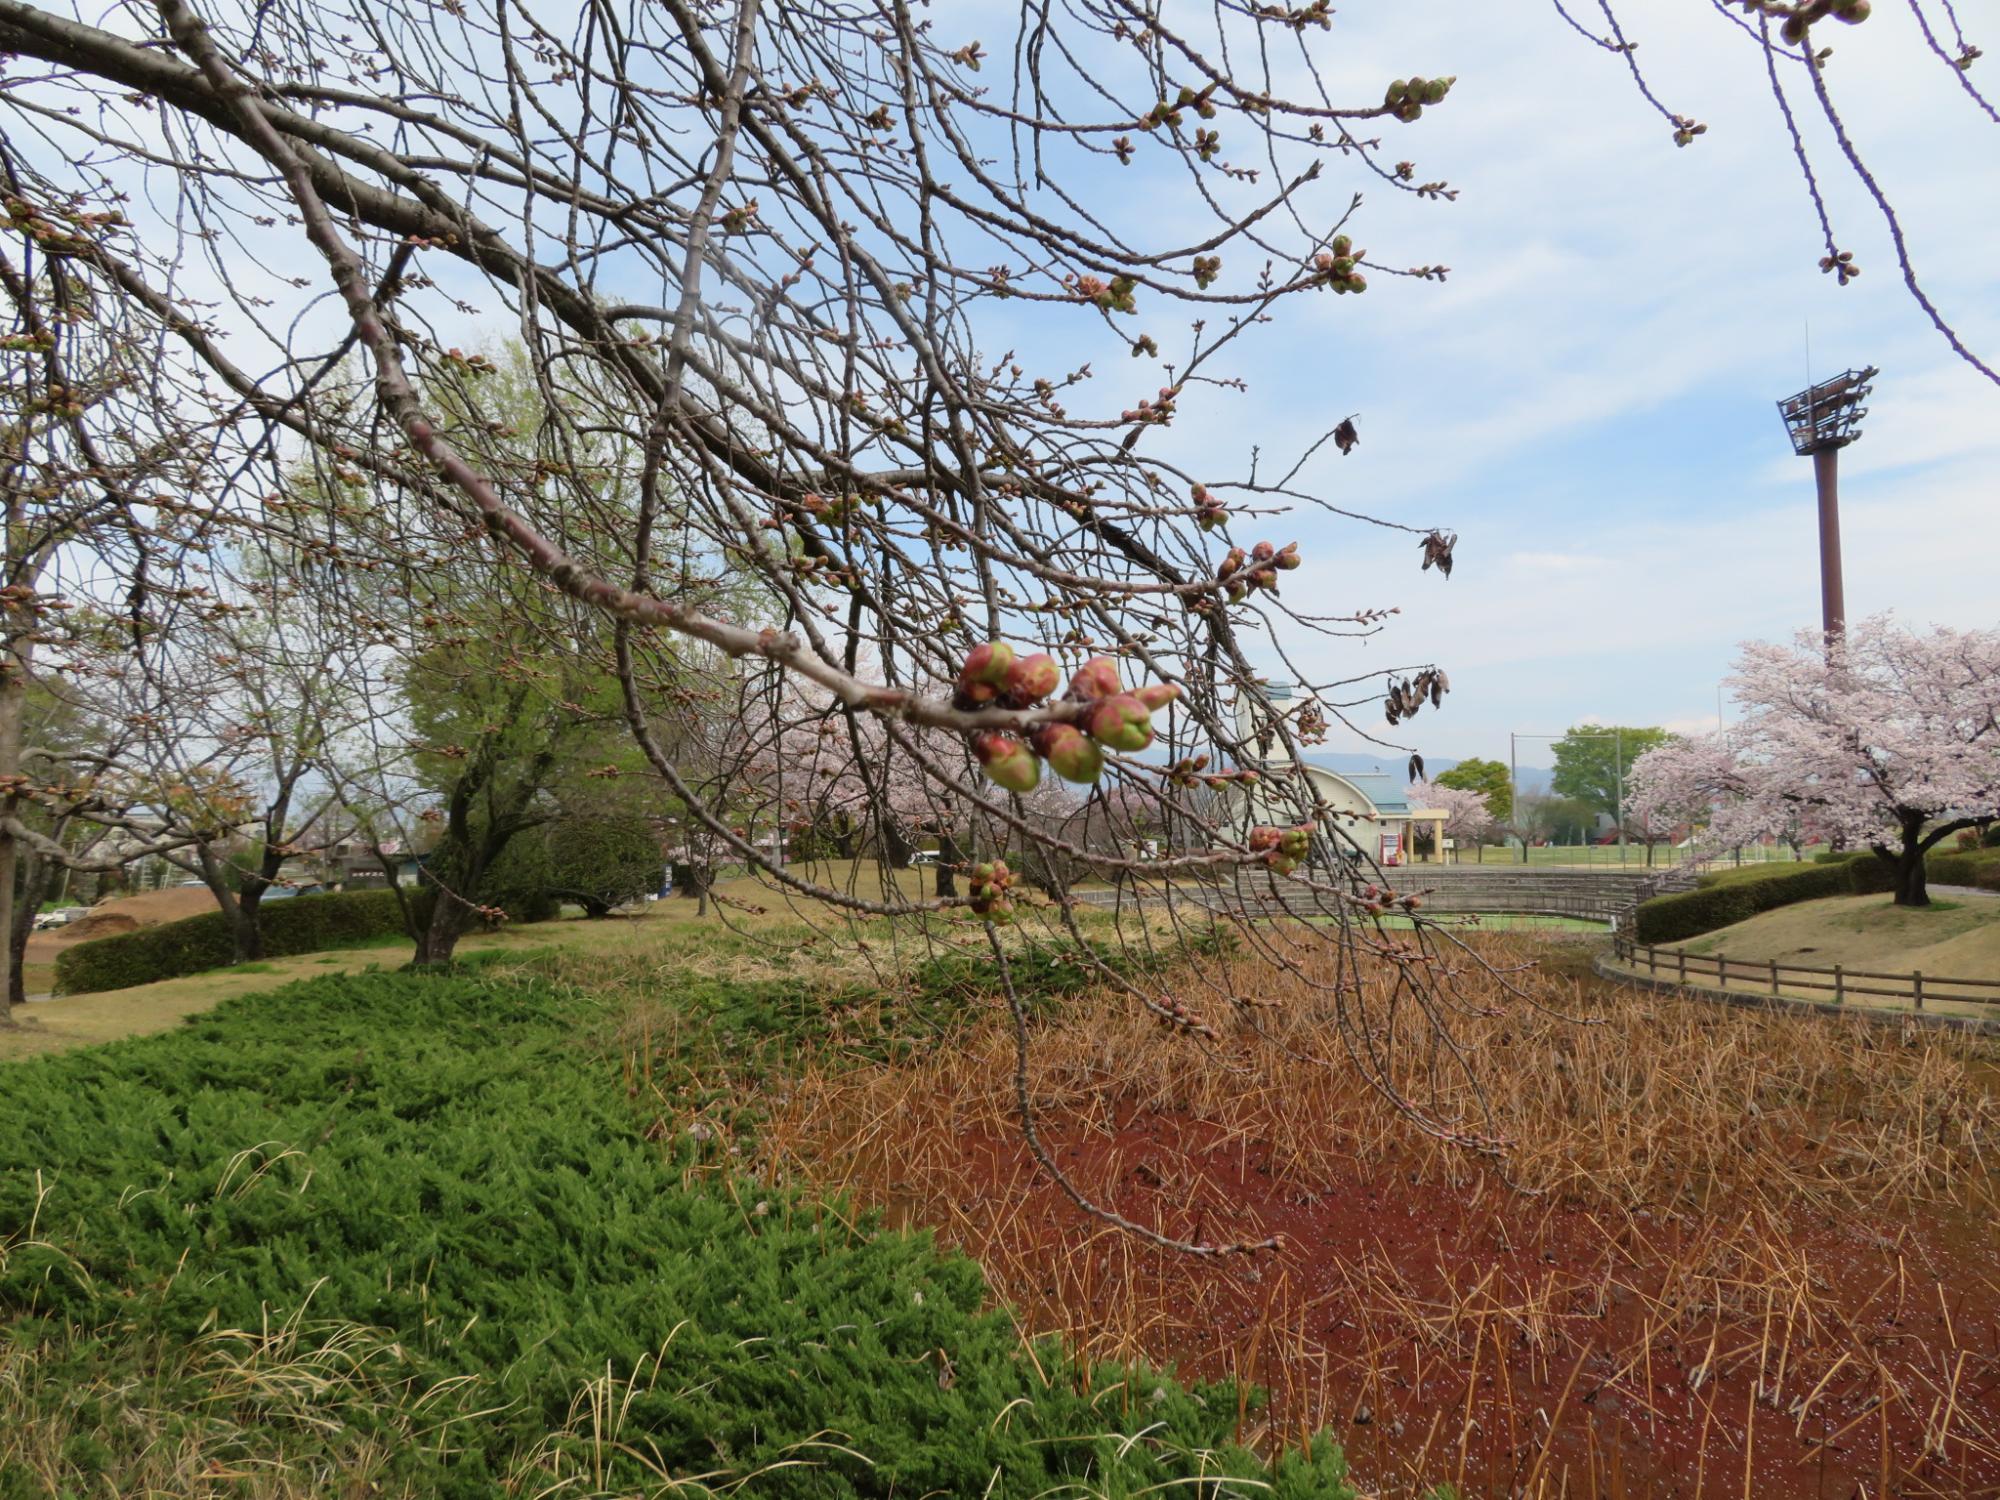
[[1892, 740], [1467, 817]]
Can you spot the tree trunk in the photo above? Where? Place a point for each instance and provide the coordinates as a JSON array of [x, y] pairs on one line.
[[248, 932], [35, 882], [1910, 886], [950, 857], [439, 939], [896, 848]]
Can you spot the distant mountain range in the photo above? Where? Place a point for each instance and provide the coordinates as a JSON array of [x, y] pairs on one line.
[[1534, 779]]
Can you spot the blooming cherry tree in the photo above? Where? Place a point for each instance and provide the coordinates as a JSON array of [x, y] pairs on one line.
[[1467, 817], [1892, 740]]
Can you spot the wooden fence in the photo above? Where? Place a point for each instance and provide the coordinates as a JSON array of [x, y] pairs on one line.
[[1770, 976]]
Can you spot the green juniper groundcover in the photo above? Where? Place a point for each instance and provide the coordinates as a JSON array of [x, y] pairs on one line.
[[436, 1187]]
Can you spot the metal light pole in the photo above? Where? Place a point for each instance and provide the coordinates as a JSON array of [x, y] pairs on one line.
[[1821, 421]]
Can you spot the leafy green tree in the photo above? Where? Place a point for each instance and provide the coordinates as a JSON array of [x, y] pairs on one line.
[[1488, 778], [602, 862], [1590, 757]]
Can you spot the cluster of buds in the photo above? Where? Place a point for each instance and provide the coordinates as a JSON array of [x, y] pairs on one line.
[[1310, 723], [1800, 21], [1206, 269], [1409, 695], [1377, 899], [1114, 297], [1685, 129], [1406, 97], [1161, 411], [1319, 13], [1338, 266], [1208, 511], [1258, 568], [1840, 264], [1282, 848], [1115, 719], [1168, 113], [990, 883], [53, 238], [833, 511], [1189, 773]]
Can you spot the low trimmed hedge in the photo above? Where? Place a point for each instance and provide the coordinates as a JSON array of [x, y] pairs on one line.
[[1979, 868], [1719, 902], [303, 924], [1716, 903]]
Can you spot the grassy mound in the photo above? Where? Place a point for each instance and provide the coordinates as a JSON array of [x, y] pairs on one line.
[[1959, 940], [1727, 896], [405, 1235]]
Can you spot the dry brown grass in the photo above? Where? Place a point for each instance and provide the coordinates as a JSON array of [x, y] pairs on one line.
[[298, 1411], [1752, 1249]]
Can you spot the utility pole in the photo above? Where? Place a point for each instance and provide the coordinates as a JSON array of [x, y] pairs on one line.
[[1618, 771], [1821, 420], [1514, 792]]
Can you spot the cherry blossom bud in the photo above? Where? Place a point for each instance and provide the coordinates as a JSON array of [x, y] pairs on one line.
[[984, 674], [1071, 754], [1122, 722], [1157, 695], [1032, 678], [1096, 678], [1006, 761]]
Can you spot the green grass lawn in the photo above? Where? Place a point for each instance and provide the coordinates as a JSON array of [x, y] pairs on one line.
[[1960, 939], [479, 1234]]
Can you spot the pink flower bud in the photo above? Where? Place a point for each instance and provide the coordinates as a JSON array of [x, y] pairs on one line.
[[1156, 695], [1288, 556], [1071, 754], [1096, 678], [984, 674], [1032, 678], [1122, 722], [1006, 761], [1262, 839]]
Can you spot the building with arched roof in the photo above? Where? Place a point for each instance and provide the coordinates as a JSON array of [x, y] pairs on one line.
[[1371, 810]]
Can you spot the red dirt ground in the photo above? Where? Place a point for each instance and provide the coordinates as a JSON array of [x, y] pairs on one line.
[[1515, 1344]]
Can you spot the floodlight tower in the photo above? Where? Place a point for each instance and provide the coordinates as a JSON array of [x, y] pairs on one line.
[[1821, 420]]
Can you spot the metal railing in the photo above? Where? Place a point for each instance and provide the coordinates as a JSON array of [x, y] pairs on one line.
[[1770, 976]]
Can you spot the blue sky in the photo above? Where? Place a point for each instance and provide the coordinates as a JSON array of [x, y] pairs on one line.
[[1589, 400]]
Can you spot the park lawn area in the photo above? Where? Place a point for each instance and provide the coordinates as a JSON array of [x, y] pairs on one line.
[[1952, 938], [70, 1021], [494, 1231], [754, 934]]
